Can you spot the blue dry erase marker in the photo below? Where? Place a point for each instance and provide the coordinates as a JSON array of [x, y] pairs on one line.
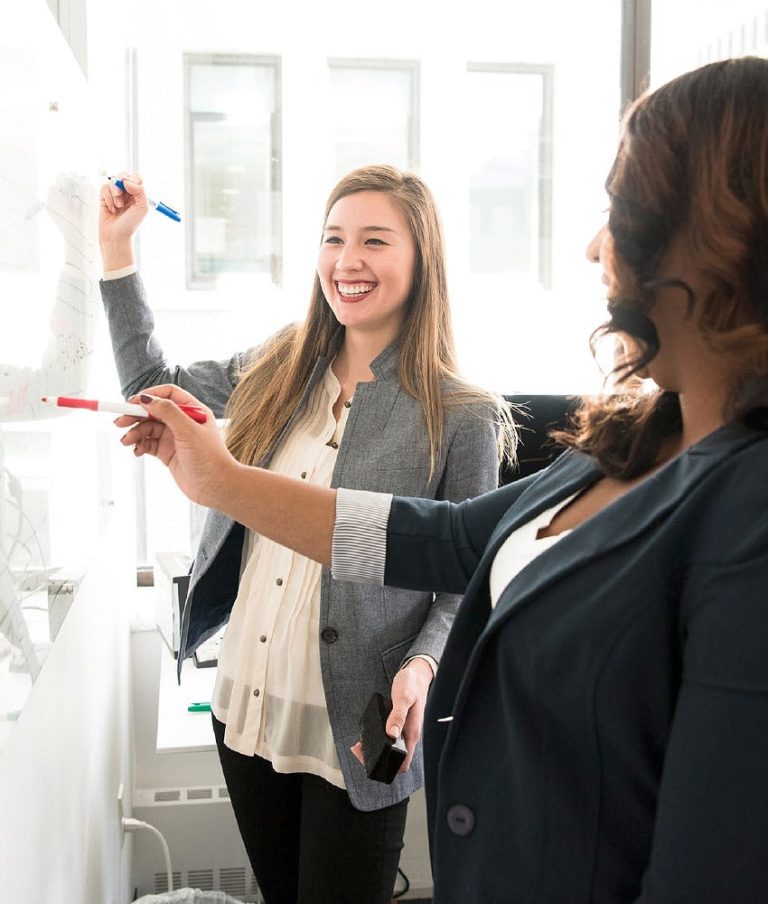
[[158, 205]]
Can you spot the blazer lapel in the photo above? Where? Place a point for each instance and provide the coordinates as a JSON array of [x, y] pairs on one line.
[[628, 517], [636, 512], [569, 474]]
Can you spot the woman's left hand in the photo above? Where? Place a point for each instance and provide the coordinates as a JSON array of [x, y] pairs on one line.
[[409, 697]]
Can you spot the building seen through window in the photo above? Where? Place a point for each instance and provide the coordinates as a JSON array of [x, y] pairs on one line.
[[510, 178], [391, 135], [233, 166]]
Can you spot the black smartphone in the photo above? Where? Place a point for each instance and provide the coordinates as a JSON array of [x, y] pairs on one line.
[[382, 755]]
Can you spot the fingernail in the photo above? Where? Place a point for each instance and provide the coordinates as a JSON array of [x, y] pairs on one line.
[[396, 729], [146, 399]]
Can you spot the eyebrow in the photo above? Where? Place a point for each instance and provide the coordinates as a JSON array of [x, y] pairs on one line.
[[365, 229]]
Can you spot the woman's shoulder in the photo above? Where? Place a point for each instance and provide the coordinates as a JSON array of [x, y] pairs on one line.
[[728, 485], [744, 463]]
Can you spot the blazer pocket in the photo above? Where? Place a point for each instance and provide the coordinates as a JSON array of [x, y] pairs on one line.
[[402, 476], [396, 460], [392, 657]]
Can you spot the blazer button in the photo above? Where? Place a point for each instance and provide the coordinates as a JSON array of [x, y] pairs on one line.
[[329, 635], [460, 819]]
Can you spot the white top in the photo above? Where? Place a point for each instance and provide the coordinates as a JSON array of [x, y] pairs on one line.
[[269, 687], [521, 547]]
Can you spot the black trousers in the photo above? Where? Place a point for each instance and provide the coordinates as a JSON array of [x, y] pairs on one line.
[[306, 842]]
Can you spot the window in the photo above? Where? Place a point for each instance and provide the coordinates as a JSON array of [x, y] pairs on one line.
[[388, 133], [244, 127], [233, 148], [509, 119], [690, 33]]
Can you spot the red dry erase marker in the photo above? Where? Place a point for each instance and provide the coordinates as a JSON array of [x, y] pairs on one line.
[[197, 414]]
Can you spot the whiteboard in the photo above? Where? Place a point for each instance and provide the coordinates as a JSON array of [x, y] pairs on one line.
[[54, 472], [47, 216]]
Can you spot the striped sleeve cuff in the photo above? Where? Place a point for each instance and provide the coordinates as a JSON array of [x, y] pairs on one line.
[[360, 536], [119, 274]]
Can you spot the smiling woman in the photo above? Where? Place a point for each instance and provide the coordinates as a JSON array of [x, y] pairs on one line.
[[365, 394]]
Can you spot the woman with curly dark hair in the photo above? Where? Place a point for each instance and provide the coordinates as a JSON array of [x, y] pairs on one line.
[[598, 728]]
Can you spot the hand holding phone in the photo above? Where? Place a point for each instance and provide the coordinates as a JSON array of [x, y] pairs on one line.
[[382, 755]]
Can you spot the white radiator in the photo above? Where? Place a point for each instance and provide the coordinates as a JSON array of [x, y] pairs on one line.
[[207, 851], [205, 845]]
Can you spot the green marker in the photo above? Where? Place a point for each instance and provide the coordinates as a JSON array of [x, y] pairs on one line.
[[199, 708]]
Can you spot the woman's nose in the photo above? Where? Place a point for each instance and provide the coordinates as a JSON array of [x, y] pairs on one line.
[[593, 248], [350, 258]]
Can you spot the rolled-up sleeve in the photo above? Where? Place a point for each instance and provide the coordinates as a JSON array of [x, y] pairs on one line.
[[360, 536]]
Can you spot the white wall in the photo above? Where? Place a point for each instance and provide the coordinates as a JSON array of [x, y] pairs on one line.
[[60, 770], [69, 752]]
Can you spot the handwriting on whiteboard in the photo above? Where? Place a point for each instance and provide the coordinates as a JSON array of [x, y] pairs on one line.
[[55, 302]]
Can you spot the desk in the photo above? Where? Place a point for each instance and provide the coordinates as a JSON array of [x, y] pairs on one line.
[[179, 731]]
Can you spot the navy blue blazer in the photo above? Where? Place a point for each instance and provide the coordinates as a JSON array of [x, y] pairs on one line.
[[602, 735]]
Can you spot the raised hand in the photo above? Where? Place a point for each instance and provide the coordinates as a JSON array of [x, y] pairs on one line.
[[120, 215]]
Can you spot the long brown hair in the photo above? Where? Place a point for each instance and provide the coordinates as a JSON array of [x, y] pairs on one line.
[[269, 389], [692, 160]]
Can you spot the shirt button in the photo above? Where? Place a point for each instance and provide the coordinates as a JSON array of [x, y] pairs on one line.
[[460, 819], [263, 638], [333, 444], [303, 475], [329, 635], [347, 404], [279, 582], [256, 692]]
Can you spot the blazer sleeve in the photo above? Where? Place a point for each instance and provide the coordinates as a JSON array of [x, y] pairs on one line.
[[437, 545], [139, 356], [711, 834]]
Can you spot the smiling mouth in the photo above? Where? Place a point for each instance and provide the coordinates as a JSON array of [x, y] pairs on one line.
[[355, 291]]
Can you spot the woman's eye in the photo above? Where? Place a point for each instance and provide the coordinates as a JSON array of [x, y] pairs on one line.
[[375, 242], [332, 240]]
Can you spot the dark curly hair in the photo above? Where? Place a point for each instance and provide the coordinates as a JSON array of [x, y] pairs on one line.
[[693, 160]]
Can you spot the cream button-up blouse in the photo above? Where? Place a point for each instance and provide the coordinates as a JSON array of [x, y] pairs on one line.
[[269, 687]]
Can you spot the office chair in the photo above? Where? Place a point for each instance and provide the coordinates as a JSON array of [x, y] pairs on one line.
[[536, 449]]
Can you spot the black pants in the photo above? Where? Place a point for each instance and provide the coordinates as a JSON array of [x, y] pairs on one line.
[[306, 842]]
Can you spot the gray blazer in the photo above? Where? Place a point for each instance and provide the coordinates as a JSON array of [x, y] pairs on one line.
[[366, 632]]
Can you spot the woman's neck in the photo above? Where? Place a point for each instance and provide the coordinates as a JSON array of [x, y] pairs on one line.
[[354, 357], [702, 409]]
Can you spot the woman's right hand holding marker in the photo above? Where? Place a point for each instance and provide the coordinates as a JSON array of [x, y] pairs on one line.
[[195, 453], [121, 212]]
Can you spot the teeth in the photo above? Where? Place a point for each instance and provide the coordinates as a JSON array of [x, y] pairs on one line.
[[357, 289]]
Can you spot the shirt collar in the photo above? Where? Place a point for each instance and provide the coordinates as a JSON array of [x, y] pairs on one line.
[[383, 366]]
